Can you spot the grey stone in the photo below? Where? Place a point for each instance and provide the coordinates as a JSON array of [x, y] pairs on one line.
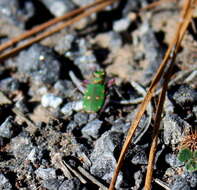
[[22, 106], [21, 147], [139, 158], [180, 183], [59, 7], [16, 13], [174, 129], [4, 183], [50, 100], [81, 118], [6, 128], [40, 63], [52, 184], [65, 43], [9, 84], [152, 50], [172, 160], [35, 155], [121, 25], [45, 173], [70, 184], [82, 2], [92, 129], [138, 176], [72, 106], [184, 95], [102, 158]]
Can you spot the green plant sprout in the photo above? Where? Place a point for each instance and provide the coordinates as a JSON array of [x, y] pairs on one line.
[[94, 96], [189, 158]]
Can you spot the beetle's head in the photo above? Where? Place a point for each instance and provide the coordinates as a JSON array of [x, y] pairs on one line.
[[98, 76]]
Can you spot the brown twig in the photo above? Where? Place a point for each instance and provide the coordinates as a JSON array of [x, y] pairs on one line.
[[155, 4], [149, 94], [91, 178], [188, 16], [46, 25], [99, 7]]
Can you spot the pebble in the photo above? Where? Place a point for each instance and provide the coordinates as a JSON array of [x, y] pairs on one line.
[[139, 157], [152, 50], [35, 155], [6, 128], [4, 183], [52, 184], [72, 106], [180, 183], [183, 95], [58, 7], [71, 126], [120, 126], [65, 43], [83, 58], [81, 118], [50, 100], [21, 105], [138, 176], [40, 63], [45, 173], [191, 178], [102, 157], [168, 106], [121, 25], [9, 84], [92, 129], [82, 2], [21, 147], [71, 184], [174, 129], [172, 160], [15, 12]]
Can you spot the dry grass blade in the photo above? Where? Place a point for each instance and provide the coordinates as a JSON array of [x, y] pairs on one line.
[[46, 25], [58, 28], [155, 4], [185, 23], [180, 32]]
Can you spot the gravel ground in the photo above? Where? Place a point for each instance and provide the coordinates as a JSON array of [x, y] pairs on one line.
[[48, 142]]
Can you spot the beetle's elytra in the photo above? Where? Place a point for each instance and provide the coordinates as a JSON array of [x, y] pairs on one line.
[[94, 96]]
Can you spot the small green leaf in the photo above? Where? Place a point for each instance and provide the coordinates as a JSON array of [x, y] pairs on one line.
[[191, 165], [195, 155], [185, 155]]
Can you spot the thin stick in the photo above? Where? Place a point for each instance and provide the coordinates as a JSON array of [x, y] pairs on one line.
[[148, 97], [187, 14], [24, 118], [162, 184], [155, 4], [58, 162], [46, 25], [156, 133], [76, 173], [77, 82], [57, 29], [91, 178]]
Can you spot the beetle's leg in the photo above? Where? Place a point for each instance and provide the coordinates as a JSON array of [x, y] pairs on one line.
[[107, 100], [77, 82], [85, 83], [110, 83]]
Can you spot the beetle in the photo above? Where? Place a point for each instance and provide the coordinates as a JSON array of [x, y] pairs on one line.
[[94, 96]]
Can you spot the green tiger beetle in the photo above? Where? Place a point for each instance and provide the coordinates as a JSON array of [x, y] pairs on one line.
[[94, 99], [94, 96]]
